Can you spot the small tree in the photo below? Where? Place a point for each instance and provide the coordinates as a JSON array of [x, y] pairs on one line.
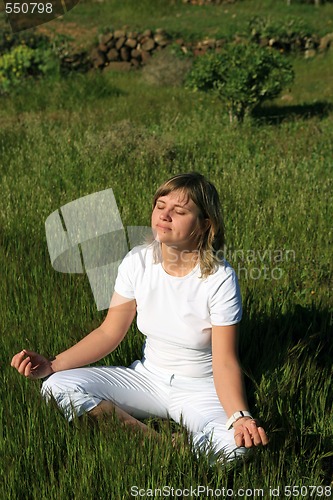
[[243, 76]]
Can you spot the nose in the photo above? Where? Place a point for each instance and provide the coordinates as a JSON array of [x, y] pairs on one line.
[[164, 215]]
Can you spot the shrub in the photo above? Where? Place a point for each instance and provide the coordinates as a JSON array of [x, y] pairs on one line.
[[167, 67], [22, 62], [290, 34], [30, 38], [243, 76]]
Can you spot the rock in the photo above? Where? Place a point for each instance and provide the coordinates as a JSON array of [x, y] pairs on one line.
[[120, 34], [161, 39], [107, 38], [112, 55], [325, 42], [198, 52], [102, 47], [118, 66], [309, 53], [147, 33], [131, 43], [148, 45], [209, 43], [125, 54], [136, 54], [309, 43], [120, 42], [98, 58], [135, 63], [145, 56], [220, 43]]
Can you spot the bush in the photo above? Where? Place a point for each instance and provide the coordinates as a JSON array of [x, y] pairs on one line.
[[167, 67], [243, 76], [286, 30], [22, 62], [287, 35], [30, 38]]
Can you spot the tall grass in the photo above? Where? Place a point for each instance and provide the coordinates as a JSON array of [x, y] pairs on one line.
[[64, 139]]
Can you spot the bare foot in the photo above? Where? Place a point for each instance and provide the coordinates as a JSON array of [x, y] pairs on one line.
[[106, 409]]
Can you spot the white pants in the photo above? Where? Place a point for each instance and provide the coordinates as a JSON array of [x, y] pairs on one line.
[[144, 392]]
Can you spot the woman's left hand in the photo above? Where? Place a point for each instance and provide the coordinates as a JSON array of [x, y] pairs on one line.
[[248, 433]]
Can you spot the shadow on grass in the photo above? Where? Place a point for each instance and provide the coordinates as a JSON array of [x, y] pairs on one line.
[[273, 115], [288, 359], [73, 93]]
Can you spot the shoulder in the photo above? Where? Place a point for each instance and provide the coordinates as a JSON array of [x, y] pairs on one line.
[[225, 300], [224, 272]]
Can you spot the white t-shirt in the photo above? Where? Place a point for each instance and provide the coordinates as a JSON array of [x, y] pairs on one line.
[[176, 314]]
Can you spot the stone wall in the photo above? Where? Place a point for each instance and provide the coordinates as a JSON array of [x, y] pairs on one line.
[[123, 49]]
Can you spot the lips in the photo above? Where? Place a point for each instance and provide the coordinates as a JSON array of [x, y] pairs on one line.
[[163, 227]]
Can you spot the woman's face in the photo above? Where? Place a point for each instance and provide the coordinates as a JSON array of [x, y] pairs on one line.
[[175, 218]]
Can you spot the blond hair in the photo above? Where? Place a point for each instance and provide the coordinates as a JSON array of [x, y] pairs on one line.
[[205, 196]]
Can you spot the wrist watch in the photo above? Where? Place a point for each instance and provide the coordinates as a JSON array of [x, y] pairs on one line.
[[236, 416]]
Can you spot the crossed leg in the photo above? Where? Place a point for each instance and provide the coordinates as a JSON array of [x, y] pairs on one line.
[[135, 393]]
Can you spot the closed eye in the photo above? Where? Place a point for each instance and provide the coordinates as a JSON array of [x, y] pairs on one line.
[[160, 207], [177, 209]]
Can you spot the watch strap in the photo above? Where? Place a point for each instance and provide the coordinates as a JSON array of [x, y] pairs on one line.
[[236, 416]]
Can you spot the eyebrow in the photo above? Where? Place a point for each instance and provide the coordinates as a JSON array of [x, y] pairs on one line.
[[177, 205]]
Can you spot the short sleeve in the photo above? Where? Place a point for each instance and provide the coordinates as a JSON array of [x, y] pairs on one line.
[[226, 302], [124, 282]]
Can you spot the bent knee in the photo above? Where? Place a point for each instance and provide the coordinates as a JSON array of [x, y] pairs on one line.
[[69, 395], [52, 385]]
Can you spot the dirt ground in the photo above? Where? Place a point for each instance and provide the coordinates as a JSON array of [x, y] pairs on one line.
[[82, 38]]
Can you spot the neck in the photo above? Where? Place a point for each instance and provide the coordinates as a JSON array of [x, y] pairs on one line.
[[178, 262]]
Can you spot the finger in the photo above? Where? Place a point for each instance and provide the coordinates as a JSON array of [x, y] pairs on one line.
[[263, 436], [17, 359], [29, 353], [22, 367], [258, 434], [239, 438], [30, 371], [254, 432], [27, 371], [247, 438]]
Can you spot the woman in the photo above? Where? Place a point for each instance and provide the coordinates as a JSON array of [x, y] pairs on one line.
[[188, 306]]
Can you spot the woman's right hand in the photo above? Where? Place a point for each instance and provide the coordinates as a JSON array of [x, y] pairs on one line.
[[31, 364]]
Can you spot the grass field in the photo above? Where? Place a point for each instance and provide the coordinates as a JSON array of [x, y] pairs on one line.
[[62, 139]]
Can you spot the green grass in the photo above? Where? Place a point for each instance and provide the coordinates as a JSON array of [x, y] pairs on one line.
[[63, 139], [188, 21], [196, 21]]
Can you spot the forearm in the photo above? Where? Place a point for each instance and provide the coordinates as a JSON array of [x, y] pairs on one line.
[[90, 349], [229, 384], [102, 340]]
